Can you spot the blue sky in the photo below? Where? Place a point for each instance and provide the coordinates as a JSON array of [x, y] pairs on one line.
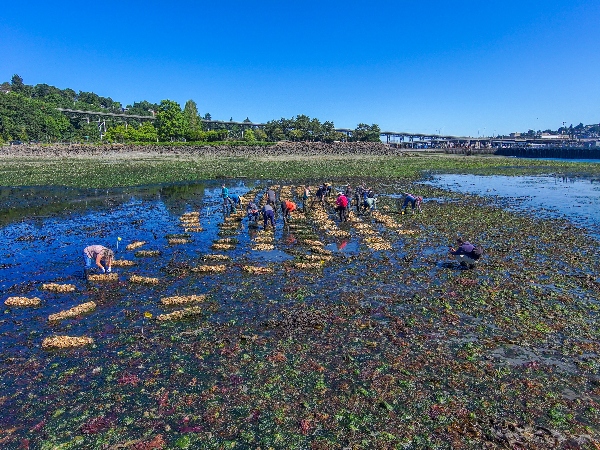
[[464, 68]]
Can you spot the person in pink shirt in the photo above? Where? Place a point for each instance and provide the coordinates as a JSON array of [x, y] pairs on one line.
[[341, 207]]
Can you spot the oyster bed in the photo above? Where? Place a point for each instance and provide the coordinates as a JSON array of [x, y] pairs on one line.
[[362, 334]]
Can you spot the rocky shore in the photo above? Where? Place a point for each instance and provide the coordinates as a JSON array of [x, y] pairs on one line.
[[291, 149]]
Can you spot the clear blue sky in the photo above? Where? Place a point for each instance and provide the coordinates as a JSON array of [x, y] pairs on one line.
[[460, 67]]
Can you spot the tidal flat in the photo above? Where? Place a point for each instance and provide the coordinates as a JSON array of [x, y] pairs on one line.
[[322, 335]]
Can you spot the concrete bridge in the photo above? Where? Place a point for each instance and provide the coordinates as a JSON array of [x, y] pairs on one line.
[[398, 139]]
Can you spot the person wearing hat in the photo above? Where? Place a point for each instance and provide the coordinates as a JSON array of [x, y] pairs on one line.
[[96, 254], [341, 206]]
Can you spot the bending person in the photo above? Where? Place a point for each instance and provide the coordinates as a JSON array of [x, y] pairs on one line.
[[286, 209], [268, 216], [463, 254], [341, 206], [96, 254], [414, 200], [252, 212]]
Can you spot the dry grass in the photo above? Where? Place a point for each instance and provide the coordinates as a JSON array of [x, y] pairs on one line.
[[263, 239], [182, 300], [378, 243], [307, 266], [316, 257], [66, 342], [73, 312], [311, 243], [193, 229], [54, 287], [227, 241], [320, 251], [22, 301], [218, 246]]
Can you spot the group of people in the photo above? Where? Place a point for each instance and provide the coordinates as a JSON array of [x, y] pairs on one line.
[[364, 199], [99, 258], [268, 210]]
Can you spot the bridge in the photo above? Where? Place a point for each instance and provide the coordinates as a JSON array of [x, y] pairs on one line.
[[400, 139]]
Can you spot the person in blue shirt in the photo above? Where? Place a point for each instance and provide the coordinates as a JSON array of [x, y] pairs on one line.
[[225, 195], [235, 201]]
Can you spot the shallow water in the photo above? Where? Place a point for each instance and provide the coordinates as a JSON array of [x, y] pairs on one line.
[[297, 335], [576, 199], [574, 160]]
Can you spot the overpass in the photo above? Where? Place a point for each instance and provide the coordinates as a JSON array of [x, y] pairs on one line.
[[394, 138]]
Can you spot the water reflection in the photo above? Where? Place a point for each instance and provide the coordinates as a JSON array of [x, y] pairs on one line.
[[574, 198]]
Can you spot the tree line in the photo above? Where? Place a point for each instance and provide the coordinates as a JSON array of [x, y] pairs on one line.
[[28, 113]]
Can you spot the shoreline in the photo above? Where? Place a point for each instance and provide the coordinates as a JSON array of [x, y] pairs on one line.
[[298, 149]]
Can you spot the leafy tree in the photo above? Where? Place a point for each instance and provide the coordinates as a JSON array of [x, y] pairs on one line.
[[170, 121], [146, 132], [366, 133], [249, 135], [260, 134], [142, 133], [143, 108], [192, 119], [16, 83], [25, 118], [207, 116]]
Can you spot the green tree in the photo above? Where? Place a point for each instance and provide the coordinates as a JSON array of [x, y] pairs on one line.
[[249, 135], [170, 121], [260, 135], [16, 83], [192, 119], [366, 133], [146, 132]]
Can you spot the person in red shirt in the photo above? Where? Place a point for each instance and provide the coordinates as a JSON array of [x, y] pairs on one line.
[[286, 209], [342, 206]]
